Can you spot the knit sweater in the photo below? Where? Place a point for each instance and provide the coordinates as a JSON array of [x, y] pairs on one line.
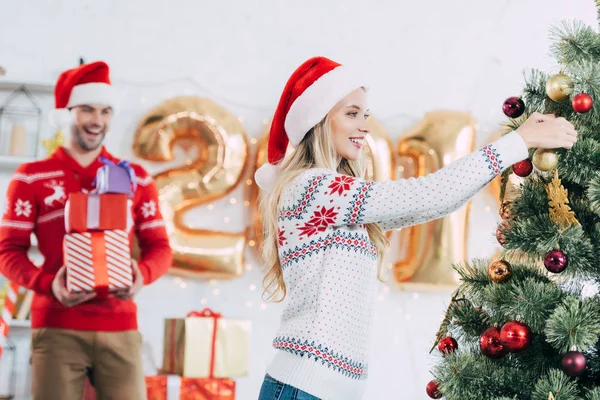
[[330, 264], [35, 202]]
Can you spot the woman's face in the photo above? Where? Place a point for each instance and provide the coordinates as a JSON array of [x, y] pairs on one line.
[[349, 124]]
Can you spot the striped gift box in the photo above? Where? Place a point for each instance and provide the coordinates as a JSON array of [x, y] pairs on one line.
[[97, 261]]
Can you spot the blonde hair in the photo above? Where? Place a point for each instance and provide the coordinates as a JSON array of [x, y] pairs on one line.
[[316, 150]]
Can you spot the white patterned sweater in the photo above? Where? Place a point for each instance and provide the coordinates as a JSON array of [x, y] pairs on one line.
[[330, 264]]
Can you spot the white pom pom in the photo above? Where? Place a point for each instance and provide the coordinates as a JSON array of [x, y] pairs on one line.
[[61, 118], [266, 176]]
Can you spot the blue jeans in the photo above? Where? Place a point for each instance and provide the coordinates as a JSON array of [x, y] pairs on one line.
[[274, 390]]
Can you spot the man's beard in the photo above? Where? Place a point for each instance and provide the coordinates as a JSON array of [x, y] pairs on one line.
[[79, 132]]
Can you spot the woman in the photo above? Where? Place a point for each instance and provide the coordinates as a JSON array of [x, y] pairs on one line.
[[324, 225]]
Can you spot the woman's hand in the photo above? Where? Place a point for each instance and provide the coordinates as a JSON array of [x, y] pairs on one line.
[[545, 131]]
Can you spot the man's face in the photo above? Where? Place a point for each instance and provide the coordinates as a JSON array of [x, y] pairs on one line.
[[91, 125]]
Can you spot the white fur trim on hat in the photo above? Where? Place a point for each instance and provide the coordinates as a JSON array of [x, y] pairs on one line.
[[317, 100], [266, 176], [92, 93], [60, 118]]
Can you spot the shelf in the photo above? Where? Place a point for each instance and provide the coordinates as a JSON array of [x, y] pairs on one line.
[[10, 163], [19, 323], [38, 87]]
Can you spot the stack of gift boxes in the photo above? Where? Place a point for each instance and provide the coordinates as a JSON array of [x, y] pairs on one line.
[[203, 352], [96, 247]]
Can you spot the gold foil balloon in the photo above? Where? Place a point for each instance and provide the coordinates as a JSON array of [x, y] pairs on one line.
[[559, 87], [378, 152], [222, 149], [429, 250], [545, 159], [256, 233]]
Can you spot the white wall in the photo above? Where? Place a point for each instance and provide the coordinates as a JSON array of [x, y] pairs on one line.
[[420, 55]]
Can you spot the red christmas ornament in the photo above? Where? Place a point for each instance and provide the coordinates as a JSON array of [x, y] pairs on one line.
[[447, 345], [523, 168], [489, 343], [573, 363], [500, 232], [515, 336], [513, 107], [433, 391], [582, 103], [556, 261]]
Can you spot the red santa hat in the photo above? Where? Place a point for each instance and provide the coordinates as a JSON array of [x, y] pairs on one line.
[[86, 84], [311, 92]]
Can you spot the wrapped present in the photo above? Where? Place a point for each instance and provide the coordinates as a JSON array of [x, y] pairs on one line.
[[205, 345], [156, 387], [115, 177], [87, 212], [97, 261], [207, 389], [172, 387]]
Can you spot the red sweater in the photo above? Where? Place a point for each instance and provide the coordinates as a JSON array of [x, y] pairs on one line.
[[35, 203]]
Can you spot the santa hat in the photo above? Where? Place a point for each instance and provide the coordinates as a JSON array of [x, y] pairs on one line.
[[312, 91], [86, 84]]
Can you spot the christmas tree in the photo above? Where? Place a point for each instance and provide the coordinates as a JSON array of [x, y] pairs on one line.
[[526, 324]]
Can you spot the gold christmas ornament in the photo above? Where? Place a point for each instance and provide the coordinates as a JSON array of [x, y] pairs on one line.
[[505, 210], [545, 159], [558, 200], [559, 87], [54, 142], [500, 271]]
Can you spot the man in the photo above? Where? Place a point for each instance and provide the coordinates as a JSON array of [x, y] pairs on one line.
[[76, 335]]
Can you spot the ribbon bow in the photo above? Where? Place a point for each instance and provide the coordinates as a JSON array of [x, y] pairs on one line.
[[122, 164], [207, 312]]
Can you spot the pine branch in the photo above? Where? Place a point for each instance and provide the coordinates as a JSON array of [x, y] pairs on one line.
[[531, 199], [557, 383], [528, 299], [580, 164], [472, 321], [443, 330], [575, 323], [534, 92], [535, 235], [574, 41], [593, 394], [468, 376], [593, 193]]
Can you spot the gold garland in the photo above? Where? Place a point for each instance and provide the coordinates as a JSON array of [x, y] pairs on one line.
[[558, 200]]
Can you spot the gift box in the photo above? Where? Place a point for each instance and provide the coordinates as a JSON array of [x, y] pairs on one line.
[[97, 261], [115, 177], [172, 387], [207, 389], [206, 345], [156, 387], [87, 212]]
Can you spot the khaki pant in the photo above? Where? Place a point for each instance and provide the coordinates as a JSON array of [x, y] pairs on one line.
[[62, 358]]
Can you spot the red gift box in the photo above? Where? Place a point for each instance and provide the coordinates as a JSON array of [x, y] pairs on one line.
[[87, 212], [98, 261], [156, 387], [207, 389]]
